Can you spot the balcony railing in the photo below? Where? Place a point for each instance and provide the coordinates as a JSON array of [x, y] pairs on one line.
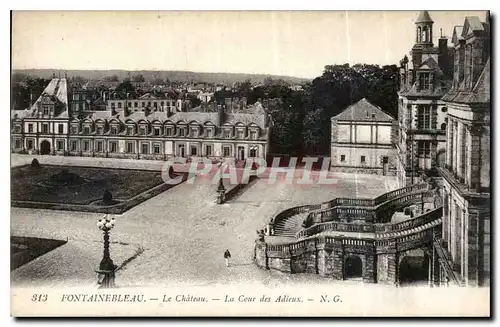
[[448, 264]]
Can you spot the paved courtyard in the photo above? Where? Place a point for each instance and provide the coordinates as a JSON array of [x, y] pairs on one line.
[[178, 237]]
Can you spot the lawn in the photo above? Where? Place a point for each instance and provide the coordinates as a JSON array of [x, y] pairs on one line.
[[78, 185], [25, 249]]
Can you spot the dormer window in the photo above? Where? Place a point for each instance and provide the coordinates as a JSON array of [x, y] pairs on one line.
[[86, 130], [209, 132], [142, 130], [100, 130], [253, 134], [168, 131], [119, 105], [46, 110], [156, 131], [424, 81], [227, 134], [130, 130], [240, 133], [181, 132], [114, 130], [194, 132]]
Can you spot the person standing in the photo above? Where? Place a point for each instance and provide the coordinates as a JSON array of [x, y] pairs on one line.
[[227, 256]]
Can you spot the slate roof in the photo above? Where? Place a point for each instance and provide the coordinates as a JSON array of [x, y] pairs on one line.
[[480, 93], [424, 17], [57, 89], [363, 110]]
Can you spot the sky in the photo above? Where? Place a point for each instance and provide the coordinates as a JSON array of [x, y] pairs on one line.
[[291, 43]]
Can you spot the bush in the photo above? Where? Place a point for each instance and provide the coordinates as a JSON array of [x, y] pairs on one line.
[[107, 197], [35, 163]]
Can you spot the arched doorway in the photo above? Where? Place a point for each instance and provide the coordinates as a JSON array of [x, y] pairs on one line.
[[353, 267], [413, 268], [45, 147]]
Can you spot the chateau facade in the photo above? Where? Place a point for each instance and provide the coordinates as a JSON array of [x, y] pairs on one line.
[[424, 80], [463, 253], [363, 138], [149, 127]]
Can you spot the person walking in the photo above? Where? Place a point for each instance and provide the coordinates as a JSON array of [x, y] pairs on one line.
[[227, 256]]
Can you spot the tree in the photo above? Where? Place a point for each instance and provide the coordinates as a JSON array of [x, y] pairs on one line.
[[314, 138], [125, 88], [112, 78], [138, 78]]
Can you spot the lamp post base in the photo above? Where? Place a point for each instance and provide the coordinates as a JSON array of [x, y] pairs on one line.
[[106, 278]]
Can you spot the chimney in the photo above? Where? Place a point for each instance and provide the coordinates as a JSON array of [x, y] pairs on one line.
[[228, 102], [222, 115], [443, 45]]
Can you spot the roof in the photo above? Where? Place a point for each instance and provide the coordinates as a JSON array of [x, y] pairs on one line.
[[424, 17], [57, 90], [363, 110], [472, 23], [480, 93], [457, 34]]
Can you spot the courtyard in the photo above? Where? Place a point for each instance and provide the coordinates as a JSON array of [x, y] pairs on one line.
[[175, 238]]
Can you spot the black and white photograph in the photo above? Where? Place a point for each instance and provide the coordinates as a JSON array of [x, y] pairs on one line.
[[250, 163]]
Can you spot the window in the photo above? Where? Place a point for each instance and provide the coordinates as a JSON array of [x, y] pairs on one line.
[[363, 159], [149, 103], [161, 103], [46, 110], [169, 131], [60, 128], [18, 144], [73, 146], [45, 128], [157, 131], [112, 105], [119, 105], [29, 144], [114, 130], [130, 147], [142, 130], [99, 146], [385, 160], [130, 104], [143, 104], [181, 131], [342, 158], [155, 104], [182, 150], [130, 130], [100, 130], [208, 150], [443, 126], [135, 104], [444, 109], [209, 132], [113, 146], [424, 81], [424, 149], [424, 117], [227, 134], [74, 129], [253, 152], [253, 135], [239, 134], [60, 145], [17, 129], [226, 151], [75, 96], [194, 151], [145, 148], [30, 128], [86, 145], [194, 132], [156, 148]]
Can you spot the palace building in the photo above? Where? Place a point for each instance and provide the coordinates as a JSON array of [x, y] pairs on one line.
[[363, 138], [149, 127], [424, 80], [463, 253]]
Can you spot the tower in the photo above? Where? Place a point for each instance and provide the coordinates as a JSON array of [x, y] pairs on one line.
[[423, 40]]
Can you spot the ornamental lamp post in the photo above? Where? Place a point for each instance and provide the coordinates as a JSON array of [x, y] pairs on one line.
[[106, 278], [221, 190]]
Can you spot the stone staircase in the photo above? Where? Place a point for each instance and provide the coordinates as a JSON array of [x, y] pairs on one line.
[[406, 232], [290, 226]]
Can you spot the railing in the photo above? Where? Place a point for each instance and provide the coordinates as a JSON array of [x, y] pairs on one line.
[[336, 226], [396, 193], [443, 253]]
